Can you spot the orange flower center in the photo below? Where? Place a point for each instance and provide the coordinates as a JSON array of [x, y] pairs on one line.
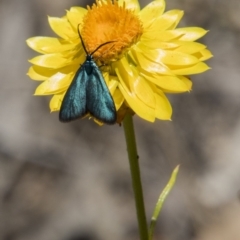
[[105, 22]]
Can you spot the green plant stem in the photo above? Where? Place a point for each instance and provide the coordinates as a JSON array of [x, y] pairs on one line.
[[135, 174]]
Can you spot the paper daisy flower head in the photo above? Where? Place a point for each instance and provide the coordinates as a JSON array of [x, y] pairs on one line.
[[112, 58]]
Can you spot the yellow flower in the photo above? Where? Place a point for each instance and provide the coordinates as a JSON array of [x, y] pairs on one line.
[[148, 57]]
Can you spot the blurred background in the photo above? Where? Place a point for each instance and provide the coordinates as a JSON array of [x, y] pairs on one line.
[[72, 181]]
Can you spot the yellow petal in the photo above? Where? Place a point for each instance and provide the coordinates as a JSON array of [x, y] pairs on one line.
[[125, 70], [56, 84], [54, 61], [190, 33], [152, 11], [176, 16], [167, 21], [56, 102], [141, 109], [40, 73], [47, 45], [112, 85], [156, 44], [142, 89], [76, 54], [203, 55], [169, 83], [189, 47], [165, 36], [50, 61], [171, 58], [186, 81], [148, 65], [163, 108], [118, 98], [62, 27], [126, 75], [198, 68], [81, 11], [75, 16], [130, 4]]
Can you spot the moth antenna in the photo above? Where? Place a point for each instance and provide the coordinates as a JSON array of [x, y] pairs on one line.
[[82, 40], [106, 52], [101, 46]]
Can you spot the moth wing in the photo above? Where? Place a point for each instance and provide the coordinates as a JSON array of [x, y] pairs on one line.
[[74, 102], [100, 103]]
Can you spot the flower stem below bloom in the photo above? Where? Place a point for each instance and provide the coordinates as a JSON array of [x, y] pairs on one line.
[[135, 174]]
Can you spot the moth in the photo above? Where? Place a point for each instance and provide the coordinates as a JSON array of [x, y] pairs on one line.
[[88, 93]]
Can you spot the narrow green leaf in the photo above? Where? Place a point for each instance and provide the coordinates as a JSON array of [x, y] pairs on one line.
[[161, 200]]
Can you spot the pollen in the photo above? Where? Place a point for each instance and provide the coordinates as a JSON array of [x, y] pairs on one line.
[[106, 21]]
